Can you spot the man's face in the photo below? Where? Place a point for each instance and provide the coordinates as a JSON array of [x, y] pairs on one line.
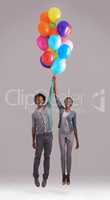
[[68, 102], [39, 101]]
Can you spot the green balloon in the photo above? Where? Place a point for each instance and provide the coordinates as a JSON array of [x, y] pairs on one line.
[[52, 25]]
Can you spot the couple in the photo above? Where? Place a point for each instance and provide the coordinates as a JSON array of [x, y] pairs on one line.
[[42, 134]]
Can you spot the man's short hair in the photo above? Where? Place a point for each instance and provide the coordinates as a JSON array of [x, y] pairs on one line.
[[39, 94]]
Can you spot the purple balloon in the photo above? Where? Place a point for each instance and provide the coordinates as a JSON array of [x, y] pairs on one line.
[[63, 28]]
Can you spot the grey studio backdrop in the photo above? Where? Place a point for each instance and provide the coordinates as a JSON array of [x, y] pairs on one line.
[[86, 79]]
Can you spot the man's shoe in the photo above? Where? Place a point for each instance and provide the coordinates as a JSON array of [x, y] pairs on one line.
[[37, 183], [44, 182], [64, 179], [68, 179]]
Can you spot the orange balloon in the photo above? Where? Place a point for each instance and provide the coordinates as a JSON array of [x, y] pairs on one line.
[[44, 17], [44, 28]]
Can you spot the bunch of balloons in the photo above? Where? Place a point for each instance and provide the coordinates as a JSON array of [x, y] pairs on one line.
[[53, 40]]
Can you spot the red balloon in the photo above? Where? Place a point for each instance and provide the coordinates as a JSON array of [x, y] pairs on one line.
[[47, 58], [46, 66]]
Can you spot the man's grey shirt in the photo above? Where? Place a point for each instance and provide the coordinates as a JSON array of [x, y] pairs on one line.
[[42, 118]]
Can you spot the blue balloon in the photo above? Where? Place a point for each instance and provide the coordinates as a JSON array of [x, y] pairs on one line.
[[58, 66], [54, 42], [64, 51], [62, 28]]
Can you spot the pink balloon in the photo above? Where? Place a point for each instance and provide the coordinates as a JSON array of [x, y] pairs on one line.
[[42, 42], [68, 42]]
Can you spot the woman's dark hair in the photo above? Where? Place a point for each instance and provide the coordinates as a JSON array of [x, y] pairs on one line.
[[68, 98], [39, 94]]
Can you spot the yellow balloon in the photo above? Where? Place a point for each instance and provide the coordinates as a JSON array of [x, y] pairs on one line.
[[56, 54], [54, 14]]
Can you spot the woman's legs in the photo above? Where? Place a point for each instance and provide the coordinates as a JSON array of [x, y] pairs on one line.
[[62, 143], [70, 139], [66, 145], [62, 151]]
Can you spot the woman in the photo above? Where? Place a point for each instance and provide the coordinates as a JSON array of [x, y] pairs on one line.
[[67, 131]]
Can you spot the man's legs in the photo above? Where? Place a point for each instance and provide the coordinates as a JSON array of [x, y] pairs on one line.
[[38, 153], [48, 138]]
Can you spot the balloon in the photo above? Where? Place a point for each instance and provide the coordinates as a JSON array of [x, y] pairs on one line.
[[68, 42], [54, 42], [54, 14], [64, 28], [52, 25], [47, 58], [64, 51], [42, 42], [56, 54], [44, 17], [44, 28], [58, 66], [44, 64], [69, 30], [53, 32]]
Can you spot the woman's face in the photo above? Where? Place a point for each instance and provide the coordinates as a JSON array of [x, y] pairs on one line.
[[68, 102]]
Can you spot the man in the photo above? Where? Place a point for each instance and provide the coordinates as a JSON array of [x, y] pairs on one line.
[[42, 135]]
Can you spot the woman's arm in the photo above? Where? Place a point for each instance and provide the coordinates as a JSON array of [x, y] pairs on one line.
[[59, 104], [76, 136], [51, 93], [55, 86], [76, 133]]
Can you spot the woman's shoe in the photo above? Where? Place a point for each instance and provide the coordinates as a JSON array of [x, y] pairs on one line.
[[68, 179], [44, 182], [64, 179]]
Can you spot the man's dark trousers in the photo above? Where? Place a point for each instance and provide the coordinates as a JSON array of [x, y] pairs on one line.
[[43, 142]]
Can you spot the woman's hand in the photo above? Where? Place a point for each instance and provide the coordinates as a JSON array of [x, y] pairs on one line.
[[77, 145], [34, 145], [54, 78]]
